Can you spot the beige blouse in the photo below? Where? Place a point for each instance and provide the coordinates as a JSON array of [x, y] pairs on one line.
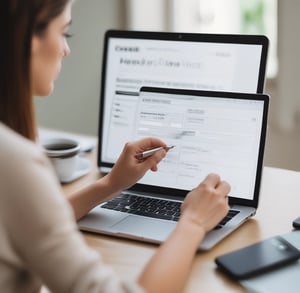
[[39, 240]]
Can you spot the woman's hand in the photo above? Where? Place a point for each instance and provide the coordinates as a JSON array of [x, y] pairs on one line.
[[207, 204], [128, 169], [202, 209]]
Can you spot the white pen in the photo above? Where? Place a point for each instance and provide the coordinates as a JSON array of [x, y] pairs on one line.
[[151, 152]]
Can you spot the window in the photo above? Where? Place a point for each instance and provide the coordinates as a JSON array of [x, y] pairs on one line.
[[230, 16]]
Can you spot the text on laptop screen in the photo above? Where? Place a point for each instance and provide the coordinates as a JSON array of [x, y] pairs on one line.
[[133, 63]]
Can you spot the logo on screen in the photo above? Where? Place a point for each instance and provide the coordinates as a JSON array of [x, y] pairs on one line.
[[127, 49]]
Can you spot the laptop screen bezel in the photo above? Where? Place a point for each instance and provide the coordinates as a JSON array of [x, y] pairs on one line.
[[217, 38]]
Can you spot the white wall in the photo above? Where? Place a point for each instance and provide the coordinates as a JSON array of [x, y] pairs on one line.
[[74, 104], [146, 14]]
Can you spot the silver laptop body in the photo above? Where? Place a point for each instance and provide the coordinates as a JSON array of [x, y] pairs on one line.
[[220, 132]]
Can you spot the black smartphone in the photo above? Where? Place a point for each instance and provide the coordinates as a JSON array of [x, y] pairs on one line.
[[296, 223], [258, 258]]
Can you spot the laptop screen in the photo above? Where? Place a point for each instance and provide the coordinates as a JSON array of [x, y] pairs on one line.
[[211, 133]]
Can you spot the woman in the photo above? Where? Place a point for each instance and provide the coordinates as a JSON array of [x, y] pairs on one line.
[[39, 240]]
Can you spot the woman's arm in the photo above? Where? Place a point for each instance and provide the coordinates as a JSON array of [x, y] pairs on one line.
[[94, 194], [126, 172], [203, 208]]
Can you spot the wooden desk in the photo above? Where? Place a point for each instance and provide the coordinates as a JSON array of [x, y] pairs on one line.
[[279, 205]]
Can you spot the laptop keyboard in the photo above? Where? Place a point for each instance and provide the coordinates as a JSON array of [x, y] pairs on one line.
[[153, 207]]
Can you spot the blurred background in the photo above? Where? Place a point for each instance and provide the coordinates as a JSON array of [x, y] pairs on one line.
[[74, 105]]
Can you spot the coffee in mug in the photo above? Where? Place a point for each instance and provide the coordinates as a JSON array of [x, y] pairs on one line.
[[63, 154]]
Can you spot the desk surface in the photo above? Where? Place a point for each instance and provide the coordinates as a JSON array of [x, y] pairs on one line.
[[279, 205]]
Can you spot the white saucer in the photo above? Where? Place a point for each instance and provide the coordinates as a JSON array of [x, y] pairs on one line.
[[83, 167]]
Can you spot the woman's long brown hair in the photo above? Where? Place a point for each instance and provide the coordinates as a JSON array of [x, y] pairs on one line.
[[19, 21]]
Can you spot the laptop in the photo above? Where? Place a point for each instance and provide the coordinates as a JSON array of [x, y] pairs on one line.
[[219, 132]]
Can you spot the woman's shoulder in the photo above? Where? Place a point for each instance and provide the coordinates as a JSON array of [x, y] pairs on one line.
[[16, 151], [24, 168]]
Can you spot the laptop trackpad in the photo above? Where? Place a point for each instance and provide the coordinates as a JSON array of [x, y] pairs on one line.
[[145, 227]]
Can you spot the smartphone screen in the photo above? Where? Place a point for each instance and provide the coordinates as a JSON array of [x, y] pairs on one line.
[[258, 258]]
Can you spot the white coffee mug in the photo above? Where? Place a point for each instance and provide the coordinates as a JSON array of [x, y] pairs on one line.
[[63, 154]]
